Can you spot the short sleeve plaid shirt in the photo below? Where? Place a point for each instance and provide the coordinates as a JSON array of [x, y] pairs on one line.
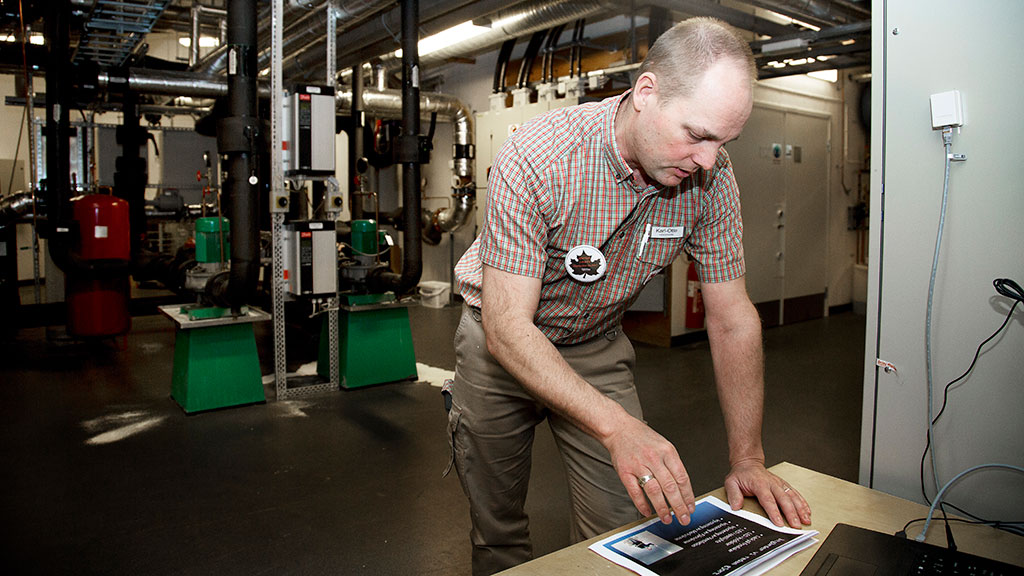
[[560, 182]]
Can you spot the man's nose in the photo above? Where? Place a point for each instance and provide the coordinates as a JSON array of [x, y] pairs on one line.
[[706, 155]]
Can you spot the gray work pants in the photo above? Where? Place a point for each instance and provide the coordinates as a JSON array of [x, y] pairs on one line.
[[491, 428]]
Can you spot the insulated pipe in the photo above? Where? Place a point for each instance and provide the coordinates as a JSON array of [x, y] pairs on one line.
[[57, 131], [193, 48], [238, 139], [375, 37], [388, 104], [501, 66], [455, 217], [355, 149], [385, 103], [380, 76], [547, 63], [305, 37], [409, 153], [382, 29], [169, 83], [195, 13], [217, 60], [513, 22], [526, 65], [14, 206], [130, 169], [818, 12]]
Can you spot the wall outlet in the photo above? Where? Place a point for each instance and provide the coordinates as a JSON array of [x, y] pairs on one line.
[[947, 109]]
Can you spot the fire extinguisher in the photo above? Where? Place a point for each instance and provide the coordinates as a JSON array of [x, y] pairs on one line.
[[694, 300]]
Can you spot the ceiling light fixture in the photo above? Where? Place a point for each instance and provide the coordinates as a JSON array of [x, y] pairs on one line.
[[789, 20], [784, 45], [36, 39], [460, 33], [826, 75], [204, 42], [447, 38]]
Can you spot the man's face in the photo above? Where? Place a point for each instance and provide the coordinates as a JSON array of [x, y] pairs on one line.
[[675, 138]]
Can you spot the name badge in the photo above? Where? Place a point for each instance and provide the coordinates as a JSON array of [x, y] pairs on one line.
[[585, 263], [668, 231]]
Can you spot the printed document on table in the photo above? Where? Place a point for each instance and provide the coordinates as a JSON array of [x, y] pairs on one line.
[[718, 541]]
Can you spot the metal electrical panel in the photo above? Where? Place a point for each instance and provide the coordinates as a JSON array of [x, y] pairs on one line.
[[311, 117], [311, 258]]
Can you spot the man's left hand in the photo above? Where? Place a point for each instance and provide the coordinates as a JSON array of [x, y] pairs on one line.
[[776, 496]]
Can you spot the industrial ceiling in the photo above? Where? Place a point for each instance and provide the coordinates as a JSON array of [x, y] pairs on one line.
[[789, 36]]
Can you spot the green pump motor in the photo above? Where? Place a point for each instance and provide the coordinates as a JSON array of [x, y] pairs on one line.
[[213, 251], [367, 240]]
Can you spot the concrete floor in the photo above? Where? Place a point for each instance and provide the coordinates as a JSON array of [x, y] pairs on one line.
[[103, 472]]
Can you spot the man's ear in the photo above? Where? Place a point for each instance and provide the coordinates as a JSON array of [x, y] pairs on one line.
[[645, 91]]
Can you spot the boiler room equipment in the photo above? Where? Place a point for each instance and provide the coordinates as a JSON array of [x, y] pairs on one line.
[[311, 131], [97, 289], [311, 258], [374, 336], [216, 362]]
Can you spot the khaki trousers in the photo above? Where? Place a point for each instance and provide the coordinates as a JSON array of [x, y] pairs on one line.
[[491, 429]]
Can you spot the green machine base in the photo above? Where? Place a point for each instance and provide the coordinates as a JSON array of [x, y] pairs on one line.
[[216, 364], [374, 342]]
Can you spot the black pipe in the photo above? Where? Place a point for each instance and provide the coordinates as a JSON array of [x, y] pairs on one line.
[[526, 65], [547, 72], [56, 189], [572, 48], [579, 47], [502, 65], [239, 136], [412, 262], [130, 170], [660, 22], [355, 149], [410, 146]]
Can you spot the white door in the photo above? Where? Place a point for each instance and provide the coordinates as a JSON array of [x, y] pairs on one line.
[[781, 165]]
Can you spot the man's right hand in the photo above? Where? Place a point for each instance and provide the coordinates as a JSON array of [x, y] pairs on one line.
[[509, 304], [639, 452]]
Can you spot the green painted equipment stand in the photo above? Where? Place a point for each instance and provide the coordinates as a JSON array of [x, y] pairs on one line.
[[216, 364], [374, 341]]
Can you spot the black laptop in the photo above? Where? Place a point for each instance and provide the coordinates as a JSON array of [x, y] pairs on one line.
[[853, 551]]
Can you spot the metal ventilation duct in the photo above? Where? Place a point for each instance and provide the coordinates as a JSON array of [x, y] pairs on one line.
[[818, 12], [507, 24]]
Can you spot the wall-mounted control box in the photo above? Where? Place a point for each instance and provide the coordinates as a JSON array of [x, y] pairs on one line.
[[311, 258], [311, 119]]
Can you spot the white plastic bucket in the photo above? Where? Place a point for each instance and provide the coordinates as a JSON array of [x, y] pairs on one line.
[[434, 294]]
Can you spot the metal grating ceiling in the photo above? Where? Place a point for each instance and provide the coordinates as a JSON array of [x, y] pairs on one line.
[[115, 27]]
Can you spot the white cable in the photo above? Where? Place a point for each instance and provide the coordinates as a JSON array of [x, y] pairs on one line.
[[938, 497], [947, 140]]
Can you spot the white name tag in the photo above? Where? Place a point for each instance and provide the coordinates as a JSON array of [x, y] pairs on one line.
[[668, 231]]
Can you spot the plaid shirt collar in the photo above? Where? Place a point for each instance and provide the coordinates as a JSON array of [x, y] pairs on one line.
[[613, 156], [621, 170]]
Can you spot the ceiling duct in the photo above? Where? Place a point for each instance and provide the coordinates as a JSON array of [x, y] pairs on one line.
[[820, 13], [375, 37], [736, 18], [216, 61], [507, 24], [300, 62], [307, 33]]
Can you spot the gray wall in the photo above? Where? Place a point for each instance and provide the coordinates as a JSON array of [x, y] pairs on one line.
[[941, 46]]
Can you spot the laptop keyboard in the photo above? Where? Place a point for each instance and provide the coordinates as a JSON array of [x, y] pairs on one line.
[[941, 562], [853, 551]]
